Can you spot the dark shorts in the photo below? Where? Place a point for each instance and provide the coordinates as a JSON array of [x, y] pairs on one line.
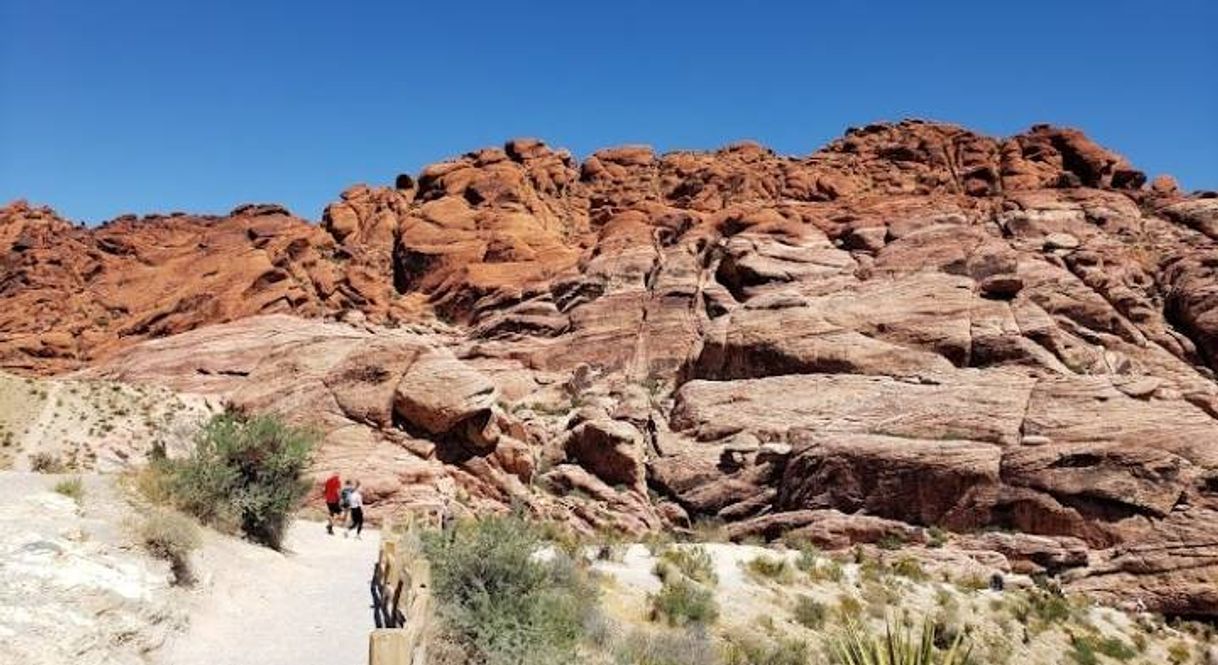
[[335, 509]]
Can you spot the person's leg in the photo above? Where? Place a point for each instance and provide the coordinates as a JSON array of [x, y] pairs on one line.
[[359, 521]]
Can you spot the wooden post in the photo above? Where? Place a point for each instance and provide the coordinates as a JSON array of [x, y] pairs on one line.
[[388, 646]]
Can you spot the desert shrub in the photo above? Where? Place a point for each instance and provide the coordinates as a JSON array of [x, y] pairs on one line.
[[740, 649], [808, 559], [826, 570], [896, 646], [245, 473], [172, 536], [891, 541], [910, 568], [810, 613], [873, 570], [935, 537], [499, 601], [1049, 608], [690, 645], [708, 530], [693, 562], [1082, 652], [1178, 653], [973, 582], [46, 463], [1083, 649], [681, 602], [774, 568], [73, 488], [563, 537], [849, 608], [657, 541], [878, 598]]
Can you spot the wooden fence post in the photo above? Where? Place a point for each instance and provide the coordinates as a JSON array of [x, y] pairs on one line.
[[389, 646]]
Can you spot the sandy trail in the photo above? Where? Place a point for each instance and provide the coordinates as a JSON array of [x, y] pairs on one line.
[[309, 605]]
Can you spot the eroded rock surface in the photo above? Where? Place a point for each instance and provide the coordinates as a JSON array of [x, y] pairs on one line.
[[914, 326]]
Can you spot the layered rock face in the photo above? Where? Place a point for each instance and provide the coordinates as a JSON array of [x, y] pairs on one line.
[[914, 326]]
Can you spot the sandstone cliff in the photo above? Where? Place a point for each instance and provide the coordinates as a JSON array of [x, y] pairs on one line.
[[914, 326]]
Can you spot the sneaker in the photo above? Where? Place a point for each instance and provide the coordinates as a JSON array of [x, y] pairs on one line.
[[330, 529]]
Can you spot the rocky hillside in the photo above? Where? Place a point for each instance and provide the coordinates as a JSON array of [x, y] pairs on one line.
[[915, 326]]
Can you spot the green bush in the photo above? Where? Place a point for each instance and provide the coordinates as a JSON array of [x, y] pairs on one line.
[[910, 568], [171, 536], [681, 602], [891, 541], [1048, 607], [500, 601], [810, 613], [693, 562], [1178, 653], [245, 473], [73, 488], [1084, 649], [774, 568], [809, 558], [849, 608], [858, 646]]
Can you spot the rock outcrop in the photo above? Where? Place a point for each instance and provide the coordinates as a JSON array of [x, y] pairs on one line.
[[914, 326]]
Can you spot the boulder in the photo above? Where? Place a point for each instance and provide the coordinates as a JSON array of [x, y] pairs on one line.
[[438, 393], [612, 450]]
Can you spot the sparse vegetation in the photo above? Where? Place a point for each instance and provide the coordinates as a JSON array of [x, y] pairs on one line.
[[810, 613], [1085, 647], [691, 645], [773, 568], [891, 542], [692, 561], [849, 609], [973, 582], [681, 602], [244, 473], [749, 650], [46, 463], [708, 531], [169, 535], [73, 488], [910, 568], [502, 604], [897, 646], [1178, 653]]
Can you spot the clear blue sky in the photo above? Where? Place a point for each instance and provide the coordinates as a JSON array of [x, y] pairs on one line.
[[112, 106]]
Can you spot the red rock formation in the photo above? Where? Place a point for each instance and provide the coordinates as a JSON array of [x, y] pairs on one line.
[[914, 326]]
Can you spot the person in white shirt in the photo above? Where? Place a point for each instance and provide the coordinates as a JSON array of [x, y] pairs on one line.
[[355, 500]]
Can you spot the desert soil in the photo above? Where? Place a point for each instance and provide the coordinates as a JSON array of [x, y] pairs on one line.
[[310, 604]]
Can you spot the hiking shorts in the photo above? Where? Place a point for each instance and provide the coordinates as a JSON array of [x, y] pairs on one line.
[[335, 509]]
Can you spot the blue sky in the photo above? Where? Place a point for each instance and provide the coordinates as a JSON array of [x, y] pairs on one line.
[[118, 106]]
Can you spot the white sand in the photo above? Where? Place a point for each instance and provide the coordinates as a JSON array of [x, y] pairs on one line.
[[308, 605]]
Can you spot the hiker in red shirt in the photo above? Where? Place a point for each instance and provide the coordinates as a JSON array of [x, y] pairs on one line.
[[333, 487]]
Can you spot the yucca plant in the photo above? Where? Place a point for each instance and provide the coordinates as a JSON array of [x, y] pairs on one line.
[[857, 646]]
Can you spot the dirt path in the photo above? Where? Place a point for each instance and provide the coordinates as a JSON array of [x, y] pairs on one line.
[[308, 606]]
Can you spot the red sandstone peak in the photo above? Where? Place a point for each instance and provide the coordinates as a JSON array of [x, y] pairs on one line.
[[914, 326]]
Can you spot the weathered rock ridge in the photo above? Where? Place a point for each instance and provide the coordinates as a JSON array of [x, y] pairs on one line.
[[914, 326]]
